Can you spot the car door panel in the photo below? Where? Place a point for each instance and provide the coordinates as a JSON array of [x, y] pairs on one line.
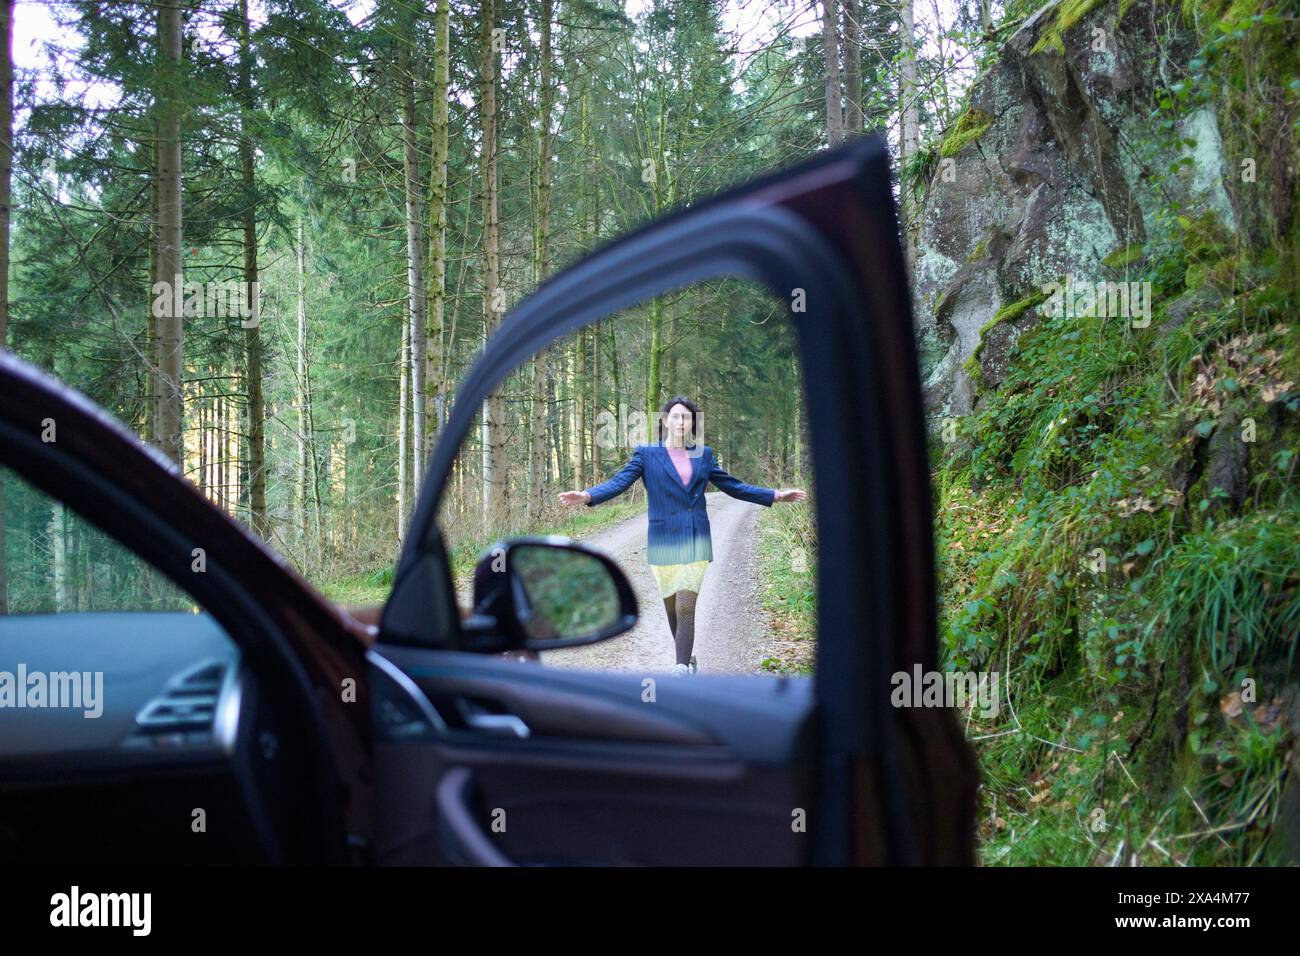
[[756, 718], [627, 780]]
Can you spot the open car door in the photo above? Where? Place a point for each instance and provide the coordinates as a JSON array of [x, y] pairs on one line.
[[487, 759]]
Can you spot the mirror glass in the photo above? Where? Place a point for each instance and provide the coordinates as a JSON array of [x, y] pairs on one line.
[[562, 593]]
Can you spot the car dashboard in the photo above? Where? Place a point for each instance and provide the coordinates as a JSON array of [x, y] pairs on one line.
[[136, 737], [87, 685]]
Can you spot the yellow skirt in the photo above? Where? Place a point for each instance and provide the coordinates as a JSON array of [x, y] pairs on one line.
[[679, 577]]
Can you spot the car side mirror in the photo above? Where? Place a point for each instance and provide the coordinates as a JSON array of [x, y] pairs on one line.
[[539, 594]]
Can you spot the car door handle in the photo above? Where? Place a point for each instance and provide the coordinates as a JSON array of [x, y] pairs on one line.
[[505, 724], [462, 837], [491, 722]]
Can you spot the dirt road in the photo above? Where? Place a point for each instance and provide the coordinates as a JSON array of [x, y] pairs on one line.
[[731, 630]]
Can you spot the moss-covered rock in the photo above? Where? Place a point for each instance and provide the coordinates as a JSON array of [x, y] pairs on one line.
[[1068, 13], [986, 366], [1062, 176], [1123, 256], [1171, 450], [969, 127]]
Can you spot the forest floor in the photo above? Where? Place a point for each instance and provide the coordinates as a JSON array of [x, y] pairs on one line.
[[732, 633]]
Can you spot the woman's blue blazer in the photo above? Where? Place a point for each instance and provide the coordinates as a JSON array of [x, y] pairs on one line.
[[679, 519]]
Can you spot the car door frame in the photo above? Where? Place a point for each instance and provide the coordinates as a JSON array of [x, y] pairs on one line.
[[896, 785]]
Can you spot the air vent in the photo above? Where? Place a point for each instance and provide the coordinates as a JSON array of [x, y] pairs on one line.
[[178, 713], [188, 704]]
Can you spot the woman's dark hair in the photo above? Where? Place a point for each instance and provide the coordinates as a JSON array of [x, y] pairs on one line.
[[694, 409]]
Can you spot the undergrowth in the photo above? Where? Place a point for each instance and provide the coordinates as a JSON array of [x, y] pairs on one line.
[[787, 570], [1118, 530]]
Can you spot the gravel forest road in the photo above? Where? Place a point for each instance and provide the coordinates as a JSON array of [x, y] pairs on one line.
[[731, 629]]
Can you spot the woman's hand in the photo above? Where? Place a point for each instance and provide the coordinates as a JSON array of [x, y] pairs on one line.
[[574, 497], [790, 494]]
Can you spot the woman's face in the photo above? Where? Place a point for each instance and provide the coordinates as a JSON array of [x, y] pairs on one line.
[[678, 422]]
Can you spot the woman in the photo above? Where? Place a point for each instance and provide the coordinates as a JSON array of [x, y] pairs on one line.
[[675, 472]]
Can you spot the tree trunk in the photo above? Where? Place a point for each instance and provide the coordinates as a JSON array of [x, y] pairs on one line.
[[414, 272], [150, 432], [219, 453], [202, 404], [830, 44], [541, 265], [59, 557], [653, 386], [909, 124], [564, 456], [580, 407], [304, 438], [537, 441], [437, 272], [236, 453], [597, 463], [256, 427], [671, 383], [495, 488], [618, 385], [170, 267], [663, 198], [403, 434], [554, 457], [853, 66]]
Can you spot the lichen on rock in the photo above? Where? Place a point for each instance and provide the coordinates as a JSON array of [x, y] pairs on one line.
[[1059, 184]]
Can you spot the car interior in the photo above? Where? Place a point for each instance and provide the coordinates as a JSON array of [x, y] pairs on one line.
[[134, 730]]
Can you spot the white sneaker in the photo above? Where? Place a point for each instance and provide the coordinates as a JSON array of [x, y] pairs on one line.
[[694, 665], [681, 670]]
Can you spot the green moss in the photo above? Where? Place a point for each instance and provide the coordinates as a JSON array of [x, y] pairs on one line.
[[978, 251], [943, 297], [1204, 237], [970, 126], [1223, 11], [1008, 313], [1134, 662], [1050, 40], [1068, 13], [972, 367], [1243, 10], [1122, 256], [1223, 273], [1013, 311]]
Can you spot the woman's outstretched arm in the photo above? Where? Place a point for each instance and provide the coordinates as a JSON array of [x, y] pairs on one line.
[[612, 488], [739, 489], [758, 495]]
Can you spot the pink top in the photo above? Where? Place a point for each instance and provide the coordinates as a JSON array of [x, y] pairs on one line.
[[682, 459]]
